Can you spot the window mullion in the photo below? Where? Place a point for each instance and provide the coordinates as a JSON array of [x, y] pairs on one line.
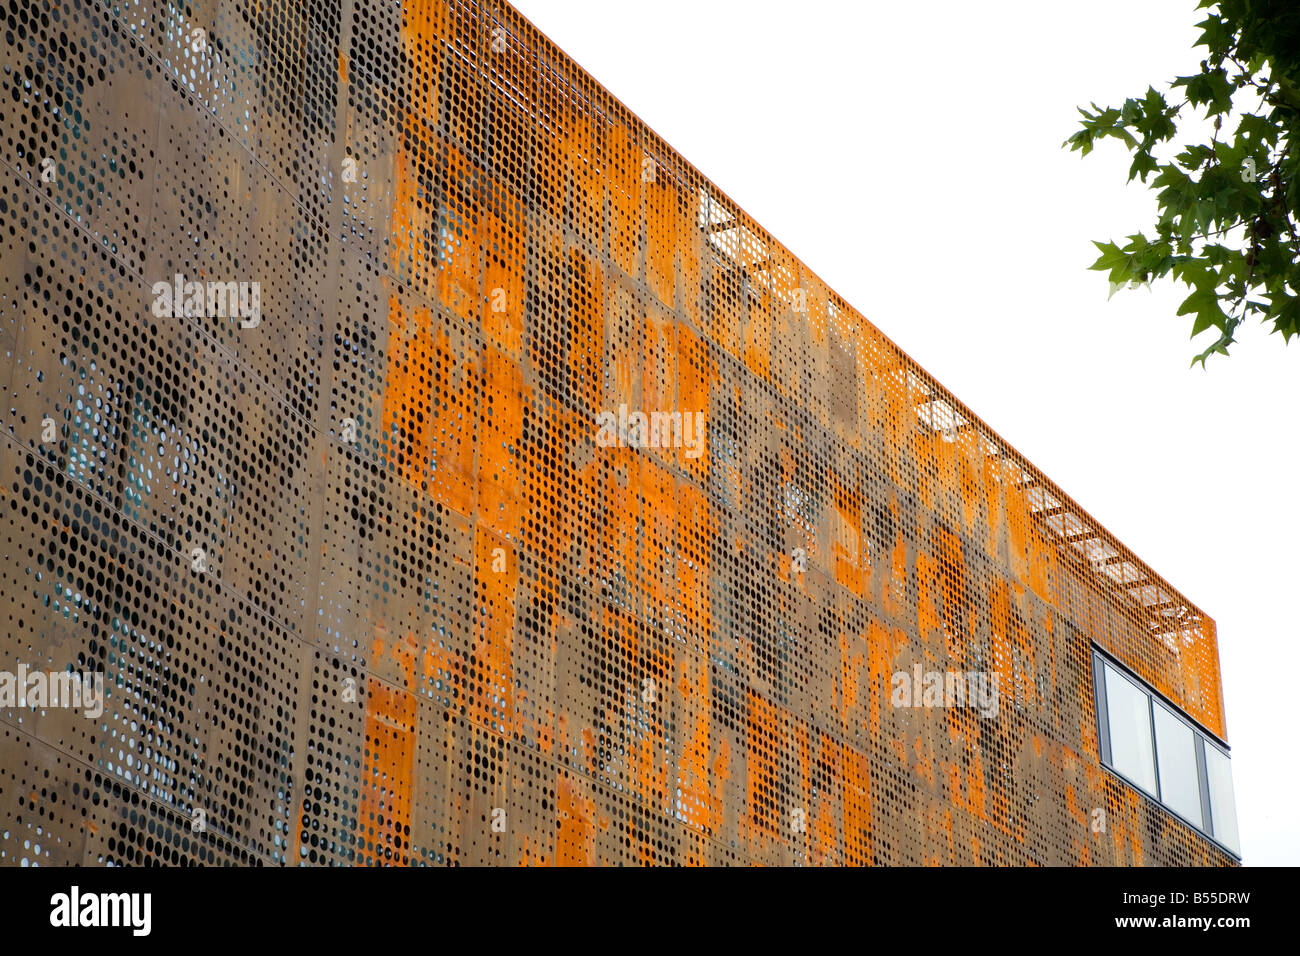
[[1203, 782], [1155, 753], [1103, 710]]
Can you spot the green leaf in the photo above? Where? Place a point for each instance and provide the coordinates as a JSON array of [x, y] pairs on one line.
[[1143, 165], [1214, 34], [1205, 303], [1080, 140], [1211, 90], [1113, 259]]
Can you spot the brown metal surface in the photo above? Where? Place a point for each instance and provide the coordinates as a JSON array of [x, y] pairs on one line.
[[435, 618]]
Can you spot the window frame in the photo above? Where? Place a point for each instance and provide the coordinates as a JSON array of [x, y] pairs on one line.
[[1201, 739]]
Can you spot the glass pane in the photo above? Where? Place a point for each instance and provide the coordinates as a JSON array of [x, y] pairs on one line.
[[1129, 716], [1223, 807], [1180, 787]]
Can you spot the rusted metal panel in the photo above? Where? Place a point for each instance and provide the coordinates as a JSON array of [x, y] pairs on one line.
[[366, 549]]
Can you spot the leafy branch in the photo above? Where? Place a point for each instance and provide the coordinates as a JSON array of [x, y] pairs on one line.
[[1227, 224]]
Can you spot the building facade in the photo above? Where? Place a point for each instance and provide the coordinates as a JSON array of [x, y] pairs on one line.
[[415, 461]]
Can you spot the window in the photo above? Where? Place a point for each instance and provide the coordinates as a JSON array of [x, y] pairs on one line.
[[1129, 710], [1223, 806], [1153, 746], [1180, 787]]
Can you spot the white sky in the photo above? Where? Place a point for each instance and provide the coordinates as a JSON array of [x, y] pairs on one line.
[[910, 155]]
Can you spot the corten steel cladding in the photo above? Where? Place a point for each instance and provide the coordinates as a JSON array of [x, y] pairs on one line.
[[363, 579]]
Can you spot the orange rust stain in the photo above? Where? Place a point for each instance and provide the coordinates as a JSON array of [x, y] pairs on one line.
[[857, 807], [500, 491], [758, 340], [927, 618], [576, 829], [694, 799], [392, 722], [763, 731]]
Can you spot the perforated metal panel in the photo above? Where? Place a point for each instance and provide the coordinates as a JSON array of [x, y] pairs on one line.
[[363, 581]]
